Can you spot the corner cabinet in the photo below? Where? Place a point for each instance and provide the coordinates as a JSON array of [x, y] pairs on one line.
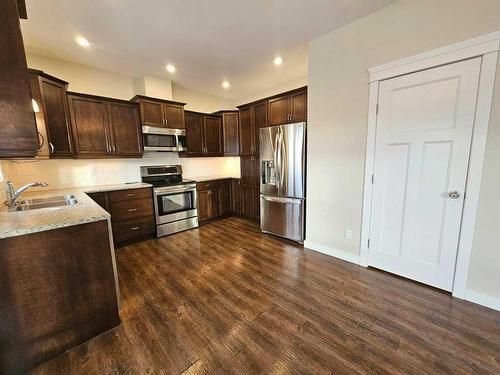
[[204, 134], [104, 127], [18, 132], [160, 113], [230, 130]]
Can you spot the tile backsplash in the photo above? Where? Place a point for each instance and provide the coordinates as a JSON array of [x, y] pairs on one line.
[[68, 173]]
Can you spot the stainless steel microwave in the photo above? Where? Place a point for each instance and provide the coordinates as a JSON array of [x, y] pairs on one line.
[[163, 139]]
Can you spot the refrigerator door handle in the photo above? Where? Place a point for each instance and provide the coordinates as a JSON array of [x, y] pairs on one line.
[[282, 199], [275, 155]]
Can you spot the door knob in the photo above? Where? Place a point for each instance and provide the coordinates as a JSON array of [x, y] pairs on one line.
[[454, 194]]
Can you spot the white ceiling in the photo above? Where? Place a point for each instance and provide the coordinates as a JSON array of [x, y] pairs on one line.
[[207, 40]]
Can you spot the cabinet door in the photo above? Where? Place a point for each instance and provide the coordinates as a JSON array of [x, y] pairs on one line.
[[212, 135], [247, 200], [279, 110], [256, 171], [203, 205], [247, 170], [246, 134], [125, 129], [230, 136], [236, 196], [151, 113], [194, 133], [259, 121], [256, 205], [226, 204], [55, 111], [215, 202], [174, 116], [18, 134], [89, 122], [298, 106]]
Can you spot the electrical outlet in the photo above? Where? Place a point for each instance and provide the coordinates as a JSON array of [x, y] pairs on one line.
[[348, 234], [93, 172]]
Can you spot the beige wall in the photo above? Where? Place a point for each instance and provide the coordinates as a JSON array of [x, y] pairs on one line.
[[197, 101], [338, 108], [287, 86]]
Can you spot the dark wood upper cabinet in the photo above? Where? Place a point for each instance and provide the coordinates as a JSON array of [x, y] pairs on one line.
[[246, 134], [50, 95], [125, 129], [230, 129], [259, 121], [298, 106], [194, 133], [288, 108], [89, 121], [104, 127], [160, 113], [279, 112], [18, 132], [212, 135], [151, 113], [252, 118], [204, 134], [174, 116]]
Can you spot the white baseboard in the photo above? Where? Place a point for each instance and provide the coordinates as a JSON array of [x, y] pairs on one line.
[[332, 252], [483, 299]]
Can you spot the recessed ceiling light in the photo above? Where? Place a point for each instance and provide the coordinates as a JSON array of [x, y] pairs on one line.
[[278, 61], [82, 41], [226, 84], [170, 68]]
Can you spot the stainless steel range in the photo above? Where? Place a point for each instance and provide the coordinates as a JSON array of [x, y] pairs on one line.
[[174, 198]]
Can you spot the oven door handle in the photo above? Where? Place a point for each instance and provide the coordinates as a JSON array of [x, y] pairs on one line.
[[166, 192]]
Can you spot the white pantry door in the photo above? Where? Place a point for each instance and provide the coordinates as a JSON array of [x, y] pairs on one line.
[[424, 131]]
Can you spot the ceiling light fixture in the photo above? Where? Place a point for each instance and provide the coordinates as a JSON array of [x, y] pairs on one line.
[[170, 68], [226, 84], [278, 61], [82, 41]]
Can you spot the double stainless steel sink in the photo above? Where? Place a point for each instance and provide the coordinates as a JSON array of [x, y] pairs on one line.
[[58, 201]]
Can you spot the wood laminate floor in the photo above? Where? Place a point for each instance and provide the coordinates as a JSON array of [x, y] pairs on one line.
[[227, 299]]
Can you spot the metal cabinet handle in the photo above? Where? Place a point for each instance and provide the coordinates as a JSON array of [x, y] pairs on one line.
[[52, 148], [130, 194], [135, 228], [454, 194], [132, 209]]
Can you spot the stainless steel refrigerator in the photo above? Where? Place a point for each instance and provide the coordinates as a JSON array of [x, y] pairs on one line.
[[282, 180]]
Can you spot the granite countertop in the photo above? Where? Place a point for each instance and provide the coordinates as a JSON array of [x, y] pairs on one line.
[[85, 211], [211, 178]]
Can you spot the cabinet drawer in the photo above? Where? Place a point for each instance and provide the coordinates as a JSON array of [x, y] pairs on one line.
[[130, 229], [207, 185], [123, 195], [131, 209]]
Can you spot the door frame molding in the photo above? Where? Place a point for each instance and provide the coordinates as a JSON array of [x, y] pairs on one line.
[[487, 47]]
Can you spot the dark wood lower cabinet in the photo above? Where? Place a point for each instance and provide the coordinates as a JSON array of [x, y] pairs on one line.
[[57, 290], [132, 213], [210, 200], [248, 200], [236, 196]]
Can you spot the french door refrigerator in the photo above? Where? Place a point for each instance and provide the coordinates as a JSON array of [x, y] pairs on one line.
[[282, 180]]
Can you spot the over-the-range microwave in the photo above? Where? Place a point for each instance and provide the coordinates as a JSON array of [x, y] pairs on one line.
[[163, 139]]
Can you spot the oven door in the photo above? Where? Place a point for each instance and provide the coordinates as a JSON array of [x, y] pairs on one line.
[[175, 204]]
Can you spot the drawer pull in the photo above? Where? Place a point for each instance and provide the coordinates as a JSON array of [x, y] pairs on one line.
[[135, 228], [131, 195], [132, 209]]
